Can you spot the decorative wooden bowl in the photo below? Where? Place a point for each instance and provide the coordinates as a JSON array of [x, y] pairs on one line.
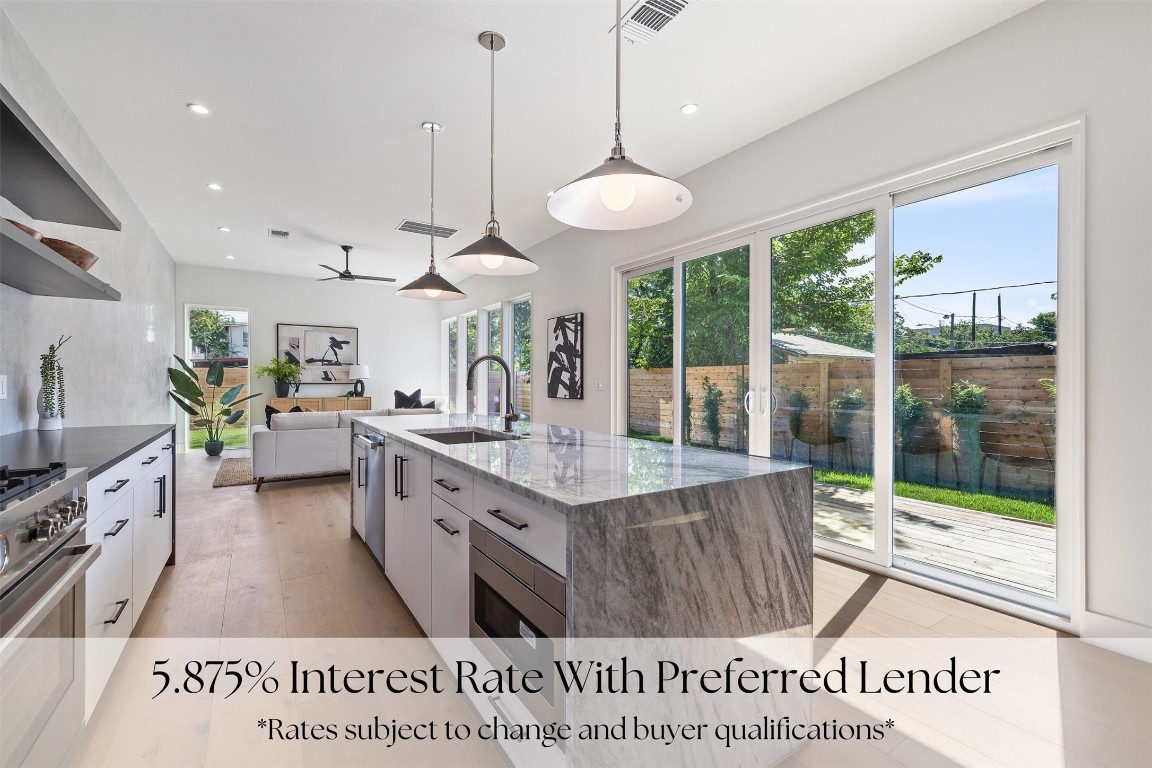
[[74, 253], [26, 229]]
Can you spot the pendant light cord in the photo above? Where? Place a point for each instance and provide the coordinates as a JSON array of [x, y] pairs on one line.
[[492, 135], [432, 186], [618, 150]]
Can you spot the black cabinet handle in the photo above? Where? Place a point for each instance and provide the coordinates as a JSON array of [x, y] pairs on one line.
[[119, 484], [403, 479], [117, 528], [123, 604], [359, 466], [168, 447], [445, 486], [160, 508], [504, 519], [150, 459], [440, 522], [396, 475]]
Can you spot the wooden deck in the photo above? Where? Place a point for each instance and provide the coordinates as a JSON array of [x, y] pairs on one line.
[[1012, 552]]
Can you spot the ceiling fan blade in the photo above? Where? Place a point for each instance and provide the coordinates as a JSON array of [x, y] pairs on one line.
[[330, 269], [326, 279], [370, 277]]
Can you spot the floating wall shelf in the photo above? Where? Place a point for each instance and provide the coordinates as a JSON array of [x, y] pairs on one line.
[[36, 178], [30, 266]]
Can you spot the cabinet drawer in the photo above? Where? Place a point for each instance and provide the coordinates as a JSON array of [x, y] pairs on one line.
[[114, 533], [105, 637], [108, 488], [544, 532], [452, 484]]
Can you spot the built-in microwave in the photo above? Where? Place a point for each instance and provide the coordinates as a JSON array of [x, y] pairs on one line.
[[516, 616]]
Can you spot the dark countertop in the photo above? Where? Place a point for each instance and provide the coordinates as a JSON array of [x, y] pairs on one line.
[[96, 448]]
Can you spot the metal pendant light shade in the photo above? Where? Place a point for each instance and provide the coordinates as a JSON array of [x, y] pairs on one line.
[[431, 286], [492, 254], [619, 194]]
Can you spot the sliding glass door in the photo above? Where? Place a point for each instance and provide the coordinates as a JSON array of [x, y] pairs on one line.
[[823, 366]]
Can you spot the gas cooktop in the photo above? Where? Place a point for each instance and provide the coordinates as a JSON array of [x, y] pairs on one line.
[[17, 483]]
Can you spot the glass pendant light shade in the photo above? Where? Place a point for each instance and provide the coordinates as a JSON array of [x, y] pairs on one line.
[[431, 286], [491, 254], [619, 194]]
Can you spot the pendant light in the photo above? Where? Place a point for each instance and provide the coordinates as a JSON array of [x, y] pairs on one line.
[[491, 254], [619, 194], [431, 286]]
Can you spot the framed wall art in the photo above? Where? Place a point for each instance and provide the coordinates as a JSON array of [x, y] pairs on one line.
[[566, 356], [326, 352]]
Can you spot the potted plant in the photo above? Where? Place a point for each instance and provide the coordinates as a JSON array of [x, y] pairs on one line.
[[211, 412], [909, 409], [50, 398], [713, 400], [282, 371], [969, 401], [845, 407]]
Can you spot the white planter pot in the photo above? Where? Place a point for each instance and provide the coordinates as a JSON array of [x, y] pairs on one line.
[[47, 423]]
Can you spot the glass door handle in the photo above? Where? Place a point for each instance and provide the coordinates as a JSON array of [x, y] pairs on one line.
[[748, 401], [769, 401]]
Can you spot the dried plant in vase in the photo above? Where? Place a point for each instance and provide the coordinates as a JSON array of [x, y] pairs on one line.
[[50, 398]]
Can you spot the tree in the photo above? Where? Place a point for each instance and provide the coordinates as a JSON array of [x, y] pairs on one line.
[[1045, 323], [650, 320], [207, 328]]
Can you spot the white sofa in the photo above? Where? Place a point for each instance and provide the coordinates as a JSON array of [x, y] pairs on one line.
[[315, 442]]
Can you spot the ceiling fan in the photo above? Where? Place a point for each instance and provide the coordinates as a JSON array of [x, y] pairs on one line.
[[347, 273]]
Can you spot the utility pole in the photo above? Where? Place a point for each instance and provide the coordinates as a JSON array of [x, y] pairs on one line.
[[973, 319], [951, 330], [999, 316]]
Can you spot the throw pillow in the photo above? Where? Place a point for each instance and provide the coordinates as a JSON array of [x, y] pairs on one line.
[[269, 412], [297, 409], [408, 401]]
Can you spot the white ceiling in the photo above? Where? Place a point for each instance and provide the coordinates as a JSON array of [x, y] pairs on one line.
[[316, 106]]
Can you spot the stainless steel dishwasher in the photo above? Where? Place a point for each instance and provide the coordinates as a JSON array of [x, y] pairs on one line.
[[373, 490]]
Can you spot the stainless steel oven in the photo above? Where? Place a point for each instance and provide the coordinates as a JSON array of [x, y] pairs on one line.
[[516, 615], [43, 559]]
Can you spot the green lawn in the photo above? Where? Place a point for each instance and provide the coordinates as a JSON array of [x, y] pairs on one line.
[[234, 437], [646, 436], [980, 502]]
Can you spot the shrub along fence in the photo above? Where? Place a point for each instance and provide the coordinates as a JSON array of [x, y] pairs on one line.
[[1018, 423]]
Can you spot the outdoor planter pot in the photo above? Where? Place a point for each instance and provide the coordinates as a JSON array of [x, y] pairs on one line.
[[966, 443]]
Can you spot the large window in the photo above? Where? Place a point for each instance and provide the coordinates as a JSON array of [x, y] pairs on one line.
[[219, 334], [651, 303], [503, 329]]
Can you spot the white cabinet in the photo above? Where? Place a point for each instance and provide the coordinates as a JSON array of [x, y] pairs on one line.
[[130, 512], [407, 537], [449, 632]]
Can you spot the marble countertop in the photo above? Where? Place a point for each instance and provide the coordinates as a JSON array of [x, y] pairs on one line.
[[96, 448], [564, 467]]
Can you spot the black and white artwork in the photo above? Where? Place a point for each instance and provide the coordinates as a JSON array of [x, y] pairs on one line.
[[326, 352], [566, 356]]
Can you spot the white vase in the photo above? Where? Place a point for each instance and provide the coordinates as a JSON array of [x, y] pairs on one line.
[[47, 423]]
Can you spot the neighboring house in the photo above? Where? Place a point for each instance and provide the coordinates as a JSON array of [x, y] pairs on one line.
[[237, 339], [787, 347]]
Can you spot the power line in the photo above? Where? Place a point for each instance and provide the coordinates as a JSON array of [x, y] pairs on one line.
[[972, 290]]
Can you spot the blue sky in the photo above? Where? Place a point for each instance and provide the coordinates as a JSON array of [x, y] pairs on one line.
[[999, 233]]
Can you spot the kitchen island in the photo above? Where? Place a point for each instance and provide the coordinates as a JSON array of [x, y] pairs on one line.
[[658, 540]]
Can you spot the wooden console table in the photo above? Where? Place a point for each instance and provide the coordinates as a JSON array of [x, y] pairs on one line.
[[285, 404]]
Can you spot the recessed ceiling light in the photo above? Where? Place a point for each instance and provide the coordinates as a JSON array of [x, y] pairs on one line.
[[215, 187], [689, 109], [229, 256], [224, 229], [199, 109]]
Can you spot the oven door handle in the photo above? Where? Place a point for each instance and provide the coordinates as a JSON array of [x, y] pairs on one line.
[[83, 556]]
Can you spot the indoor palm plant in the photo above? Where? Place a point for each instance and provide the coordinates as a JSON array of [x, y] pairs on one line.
[[210, 412], [282, 371]]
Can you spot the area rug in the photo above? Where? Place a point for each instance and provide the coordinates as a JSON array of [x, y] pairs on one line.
[[238, 471]]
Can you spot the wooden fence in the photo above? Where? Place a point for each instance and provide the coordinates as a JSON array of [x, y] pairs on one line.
[[1019, 421]]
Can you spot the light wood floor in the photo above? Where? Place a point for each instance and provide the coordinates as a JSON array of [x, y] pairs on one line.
[[281, 564]]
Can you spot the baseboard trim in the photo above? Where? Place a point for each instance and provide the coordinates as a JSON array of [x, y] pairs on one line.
[[1118, 635]]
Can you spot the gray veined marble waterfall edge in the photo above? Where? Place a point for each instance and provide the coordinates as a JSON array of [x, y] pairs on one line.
[[564, 468]]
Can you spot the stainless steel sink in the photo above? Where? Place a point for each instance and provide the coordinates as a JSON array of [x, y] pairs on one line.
[[460, 436]]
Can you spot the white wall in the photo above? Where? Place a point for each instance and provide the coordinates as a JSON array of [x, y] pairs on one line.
[[399, 338], [114, 366], [1050, 63]]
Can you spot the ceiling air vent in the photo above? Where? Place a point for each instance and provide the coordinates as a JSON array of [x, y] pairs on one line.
[[647, 17], [422, 228], [281, 233]]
